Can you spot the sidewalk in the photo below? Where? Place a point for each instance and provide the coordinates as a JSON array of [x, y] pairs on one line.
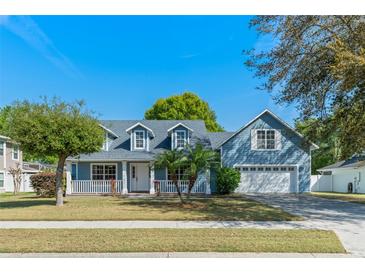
[[175, 255]]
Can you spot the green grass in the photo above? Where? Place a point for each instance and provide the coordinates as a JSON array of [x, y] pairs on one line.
[[30, 207], [354, 198], [168, 240]]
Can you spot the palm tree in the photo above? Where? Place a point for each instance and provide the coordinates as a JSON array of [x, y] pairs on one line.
[[172, 160], [199, 159]]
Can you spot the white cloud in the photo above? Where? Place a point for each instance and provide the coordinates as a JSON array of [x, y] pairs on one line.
[[28, 30]]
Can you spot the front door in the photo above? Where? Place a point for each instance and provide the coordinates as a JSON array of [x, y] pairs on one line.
[[140, 176]]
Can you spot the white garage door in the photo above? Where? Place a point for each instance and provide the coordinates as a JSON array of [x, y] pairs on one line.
[[269, 179]]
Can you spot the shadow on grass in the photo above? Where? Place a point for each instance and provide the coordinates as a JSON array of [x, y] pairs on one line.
[[218, 209], [28, 202]]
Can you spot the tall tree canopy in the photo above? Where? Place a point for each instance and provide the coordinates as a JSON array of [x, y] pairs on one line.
[[187, 106], [318, 63], [54, 128]]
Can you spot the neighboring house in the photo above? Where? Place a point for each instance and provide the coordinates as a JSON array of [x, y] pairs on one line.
[[271, 156], [10, 156], [339, 175]]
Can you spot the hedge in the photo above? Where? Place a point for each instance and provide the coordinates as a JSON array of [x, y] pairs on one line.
[[44, 184]]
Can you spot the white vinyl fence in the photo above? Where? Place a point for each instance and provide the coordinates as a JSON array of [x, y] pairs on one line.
[[168, 186], [95, 186], [25, 186], [321, 183]]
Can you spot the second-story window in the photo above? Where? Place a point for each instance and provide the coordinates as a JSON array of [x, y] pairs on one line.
[[266, 139], [15, 152], [180, 140], [139, 139]]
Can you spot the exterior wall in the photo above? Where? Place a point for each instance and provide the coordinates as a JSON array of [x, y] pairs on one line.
[[24, 187], [160, 174], [9, 159], [179, 128], [84, 169], [341, 178], [146, 134], [293, 151]]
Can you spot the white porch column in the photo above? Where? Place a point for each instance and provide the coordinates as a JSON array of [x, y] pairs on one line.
[[152, 179], [68, 178], [124, 177], [207, 182]]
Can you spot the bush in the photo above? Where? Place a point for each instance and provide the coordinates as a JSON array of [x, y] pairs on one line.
[[44, 184], [228, 180]]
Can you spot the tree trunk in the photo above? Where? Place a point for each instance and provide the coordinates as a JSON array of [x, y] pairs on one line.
[[59, 177], [192, 180], [174, 179]]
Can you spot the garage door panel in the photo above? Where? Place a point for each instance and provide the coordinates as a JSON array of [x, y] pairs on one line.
[[267, 182]]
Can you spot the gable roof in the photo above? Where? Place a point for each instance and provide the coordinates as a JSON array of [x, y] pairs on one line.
[[217, 138], [179, 124], [355, 161], [266, 111], [141, 125], [108, 130], [119, 148]]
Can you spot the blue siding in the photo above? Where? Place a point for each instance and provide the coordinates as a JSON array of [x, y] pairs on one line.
[[294, 151], [84, 171], [160, 174]]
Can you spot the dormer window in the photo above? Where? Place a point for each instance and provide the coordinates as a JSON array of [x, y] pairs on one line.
[[139, 139], [180, 139]]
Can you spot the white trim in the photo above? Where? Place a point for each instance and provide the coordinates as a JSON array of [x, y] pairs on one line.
[[273, 115], [109, 160], [142, 125], [135, 140], [108, 130], [12, 153], [275, 140], [180, 124], [4, 137], [175, 138], [91, 169]]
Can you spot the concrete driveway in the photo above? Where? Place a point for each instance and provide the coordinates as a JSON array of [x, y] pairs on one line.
[[346, 219]]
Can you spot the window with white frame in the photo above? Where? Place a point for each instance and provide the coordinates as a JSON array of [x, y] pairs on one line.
[[181, 173], [139, 139], [104, 172], [2, 144], [15, 152], [180, 139], [266, 139], [1, 179]]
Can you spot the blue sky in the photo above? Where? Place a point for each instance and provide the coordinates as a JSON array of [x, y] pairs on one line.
[[120, 65]]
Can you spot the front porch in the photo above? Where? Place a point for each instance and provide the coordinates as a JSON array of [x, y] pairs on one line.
[[126, 177]]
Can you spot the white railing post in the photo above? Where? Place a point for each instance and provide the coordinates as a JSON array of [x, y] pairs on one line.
[[152, 179], [124, 178], [68, 178], [207, 182]]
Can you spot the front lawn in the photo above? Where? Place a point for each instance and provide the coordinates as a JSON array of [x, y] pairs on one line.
[[168, 240], [354, 198], [29, 207]]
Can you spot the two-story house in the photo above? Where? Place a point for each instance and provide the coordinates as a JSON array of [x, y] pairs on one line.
[[10, 156], [270, 155]]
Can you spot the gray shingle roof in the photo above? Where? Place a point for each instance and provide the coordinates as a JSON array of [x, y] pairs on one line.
[[354, 162], [216, 138], [120, 147]]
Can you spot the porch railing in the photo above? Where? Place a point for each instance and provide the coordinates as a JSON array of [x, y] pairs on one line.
[[168, 186], [95, 186]]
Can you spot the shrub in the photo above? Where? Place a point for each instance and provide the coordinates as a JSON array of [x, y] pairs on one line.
[[228, 180], [44, 184]]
